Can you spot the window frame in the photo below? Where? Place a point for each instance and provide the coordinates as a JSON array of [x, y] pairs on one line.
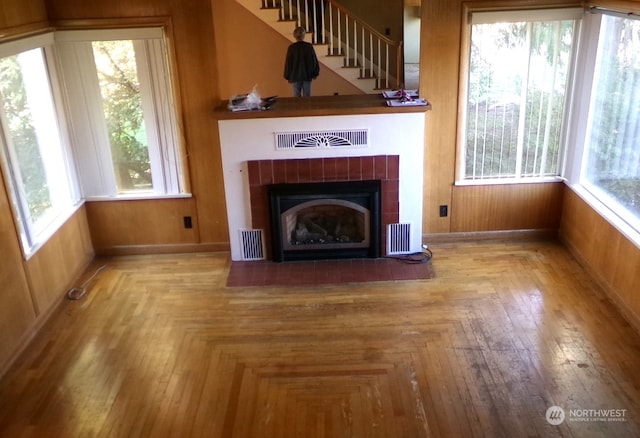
[[603, 203], [489, 12], [32, 238], [160, 105]]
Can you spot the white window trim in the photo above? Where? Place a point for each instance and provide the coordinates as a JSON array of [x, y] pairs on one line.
[[31, 239], [91, 145]]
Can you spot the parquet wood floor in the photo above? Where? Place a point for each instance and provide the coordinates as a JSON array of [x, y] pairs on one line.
[[160, 347]]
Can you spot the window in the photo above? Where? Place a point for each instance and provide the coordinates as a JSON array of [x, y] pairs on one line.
[[121, 104], [85, 113], [519, 72], [34, 151], [611, 167]]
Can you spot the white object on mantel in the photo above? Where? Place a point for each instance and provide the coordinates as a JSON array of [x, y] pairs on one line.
[[244, 140]]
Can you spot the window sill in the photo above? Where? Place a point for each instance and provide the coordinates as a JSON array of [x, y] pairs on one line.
[[136, 197], [43, 237], [507, 181]]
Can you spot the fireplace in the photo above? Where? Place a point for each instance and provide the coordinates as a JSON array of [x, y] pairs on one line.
[[253, 159], [325, 220]]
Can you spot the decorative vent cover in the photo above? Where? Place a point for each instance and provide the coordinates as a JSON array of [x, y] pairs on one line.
[[398, 238], [252, 245], [322, 139]]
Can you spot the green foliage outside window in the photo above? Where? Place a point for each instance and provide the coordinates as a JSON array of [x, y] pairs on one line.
[[122, 104], [21, 134], [614, 144], [515, 128]]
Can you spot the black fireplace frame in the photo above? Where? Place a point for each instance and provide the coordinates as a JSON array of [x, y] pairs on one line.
[[366, 193]]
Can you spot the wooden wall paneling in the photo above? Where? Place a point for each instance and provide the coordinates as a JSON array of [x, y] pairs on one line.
[[148, 222], [60, 261], [386, 15], [506, 207], [81, 9], [439, 60], [17, 312], [18, 17], [196, 59], [611, 257]]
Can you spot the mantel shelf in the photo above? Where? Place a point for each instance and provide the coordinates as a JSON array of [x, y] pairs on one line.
[[321, 106]]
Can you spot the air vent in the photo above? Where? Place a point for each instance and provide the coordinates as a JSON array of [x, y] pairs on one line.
[[252, 245], [322, 139], [398, 238]]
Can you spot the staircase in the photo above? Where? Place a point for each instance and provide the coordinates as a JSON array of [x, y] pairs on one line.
[[345, 44]]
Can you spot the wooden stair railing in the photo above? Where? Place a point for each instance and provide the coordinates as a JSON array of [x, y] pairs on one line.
[[346, 35]]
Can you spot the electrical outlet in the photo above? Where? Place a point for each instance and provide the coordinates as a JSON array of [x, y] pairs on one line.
[[444, 210], [187, 222]]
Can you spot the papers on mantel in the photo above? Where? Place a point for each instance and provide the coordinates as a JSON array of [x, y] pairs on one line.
[[398, 94], [413, 102]]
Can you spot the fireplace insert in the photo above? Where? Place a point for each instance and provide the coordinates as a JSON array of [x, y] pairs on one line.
[[327, 220]]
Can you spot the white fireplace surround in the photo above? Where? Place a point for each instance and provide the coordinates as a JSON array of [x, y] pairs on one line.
[[244, 140]]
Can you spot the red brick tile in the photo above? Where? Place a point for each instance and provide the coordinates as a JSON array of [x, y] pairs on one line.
[[304, 170], [380, 167], [290, 171], [316, 170], [242, 274], [279, 171], [266, 172], [367, 168], [355, 168], [393, 167], [330, 169], [253, 167], [390, 218], [342, 169]]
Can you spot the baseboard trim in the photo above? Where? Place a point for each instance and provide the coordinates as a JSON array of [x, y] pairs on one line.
[[162, 249], [537, 234]]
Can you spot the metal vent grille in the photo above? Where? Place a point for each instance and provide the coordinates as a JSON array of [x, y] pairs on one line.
[[322, 139], [398, 238], [252, 245]]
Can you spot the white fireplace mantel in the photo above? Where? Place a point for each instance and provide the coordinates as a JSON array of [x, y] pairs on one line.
[[244, 138]]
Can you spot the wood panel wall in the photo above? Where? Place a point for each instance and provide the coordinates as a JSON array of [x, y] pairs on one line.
[[116, 225], [17, 310], [19, 17], [507, 207], [56, 265], [610, 256]]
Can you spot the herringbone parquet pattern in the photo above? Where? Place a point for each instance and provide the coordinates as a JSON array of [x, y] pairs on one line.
[[160, 347]]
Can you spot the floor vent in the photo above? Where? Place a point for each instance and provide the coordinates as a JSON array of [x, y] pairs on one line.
[[398, 238], [252, 245], [322, 139]]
